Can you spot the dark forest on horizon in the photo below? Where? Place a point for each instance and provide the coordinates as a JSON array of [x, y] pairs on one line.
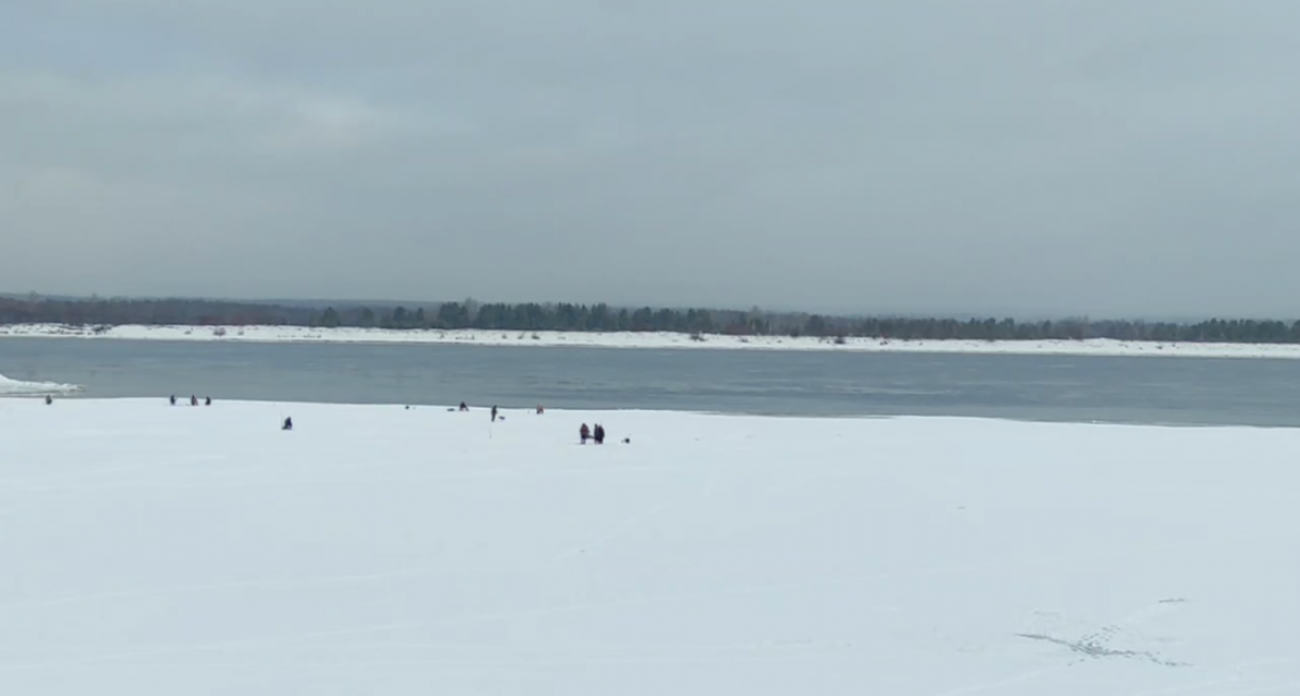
[[530, 316]]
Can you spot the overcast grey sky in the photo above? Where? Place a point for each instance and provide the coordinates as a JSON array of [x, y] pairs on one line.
[[1134, 157]]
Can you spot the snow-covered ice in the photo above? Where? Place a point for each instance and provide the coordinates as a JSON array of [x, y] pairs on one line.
[[300, 334], [14, 387], [156, 550]]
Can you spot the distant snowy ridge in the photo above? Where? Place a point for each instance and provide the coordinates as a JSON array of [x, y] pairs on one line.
[[13, 387], [479, 337]]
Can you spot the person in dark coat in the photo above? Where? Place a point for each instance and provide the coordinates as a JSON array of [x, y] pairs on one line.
[[288, 424], [494, 414], [48, 399], [173, 399], [463, 407], [194, 400], [207, 401], [599, 434], [584, 433]]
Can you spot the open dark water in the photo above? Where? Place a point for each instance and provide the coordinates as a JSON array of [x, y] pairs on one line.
[[1052, 388]]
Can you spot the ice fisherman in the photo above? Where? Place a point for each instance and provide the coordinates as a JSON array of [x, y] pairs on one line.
[[584, 433], [599, 434], [494, 414], [288, 424]]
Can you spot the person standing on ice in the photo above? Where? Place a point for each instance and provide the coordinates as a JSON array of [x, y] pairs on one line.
[[599, 435], [288, 424], [207, 401], [194, 400], [173, 399], [494, 414], [583, 433]]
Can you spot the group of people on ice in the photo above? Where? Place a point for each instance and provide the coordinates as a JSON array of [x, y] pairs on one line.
[[286, 424], [597, 434], [585, 433]]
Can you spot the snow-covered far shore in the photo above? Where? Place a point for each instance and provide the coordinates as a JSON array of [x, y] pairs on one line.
[[153, 550], [662, 340]]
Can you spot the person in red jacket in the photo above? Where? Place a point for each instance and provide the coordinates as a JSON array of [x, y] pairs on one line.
[[584, 432]]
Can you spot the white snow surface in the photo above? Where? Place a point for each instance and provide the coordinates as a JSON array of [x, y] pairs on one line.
[[14, 387], [298, 334], [154, 550]]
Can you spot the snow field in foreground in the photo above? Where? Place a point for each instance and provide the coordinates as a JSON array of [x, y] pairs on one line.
[[156, 550]]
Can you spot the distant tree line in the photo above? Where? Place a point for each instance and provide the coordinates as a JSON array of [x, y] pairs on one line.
[[531, 316]]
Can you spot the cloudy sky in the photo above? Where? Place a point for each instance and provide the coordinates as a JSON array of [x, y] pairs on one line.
[[1113, 157]]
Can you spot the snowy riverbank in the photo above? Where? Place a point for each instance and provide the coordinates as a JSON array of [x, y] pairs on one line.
[[290, 334], [155, 550]]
